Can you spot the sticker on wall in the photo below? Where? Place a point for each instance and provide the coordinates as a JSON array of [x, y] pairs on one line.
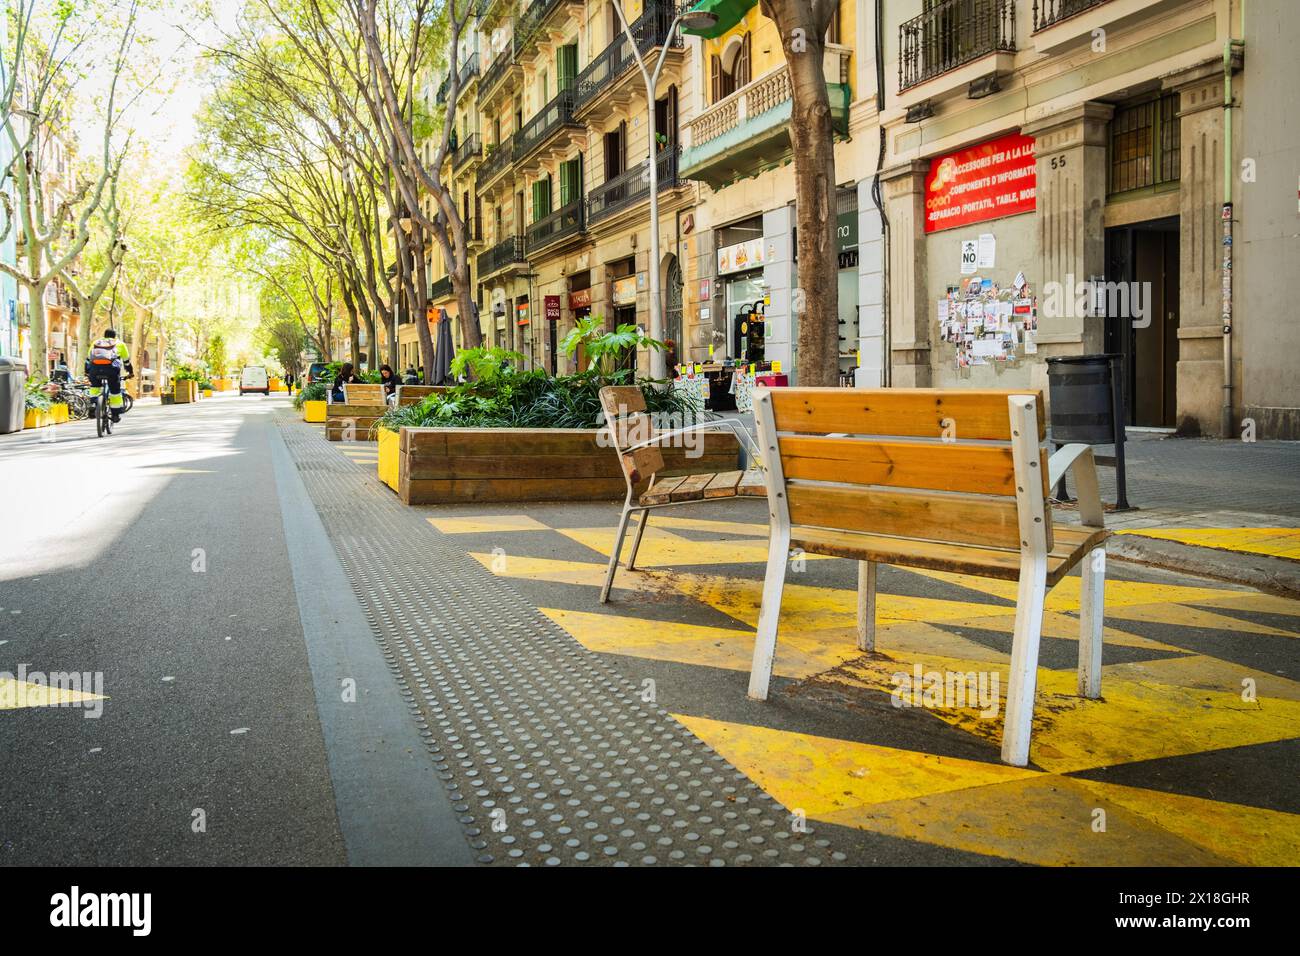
[[988, 248], [969, 256]]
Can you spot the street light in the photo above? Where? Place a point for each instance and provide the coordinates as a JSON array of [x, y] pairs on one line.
[[692, 20]]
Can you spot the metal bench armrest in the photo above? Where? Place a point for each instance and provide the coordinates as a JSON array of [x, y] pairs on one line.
[[1080, 460], [741, 433]]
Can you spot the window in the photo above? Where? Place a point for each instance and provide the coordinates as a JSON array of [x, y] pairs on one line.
[[542, 198], [616, 151], [566, 65], [833, 31], [730, 70], [666, 119], [1145, 145], [571, 180]]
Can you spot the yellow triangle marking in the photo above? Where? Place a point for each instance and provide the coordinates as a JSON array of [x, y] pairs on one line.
[[1250, 836], [662, 548], [1254, 601], [1180, 616], [822, 775], [16, 694], [1275, 542], [481, 523], [1202, 672], [706, 524], [1044, 820], [1065, 596]]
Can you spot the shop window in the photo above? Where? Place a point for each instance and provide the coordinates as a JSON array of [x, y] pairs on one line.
[[1145, 145]]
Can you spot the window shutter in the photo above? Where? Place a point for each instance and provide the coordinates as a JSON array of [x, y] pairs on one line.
[[716, 81]]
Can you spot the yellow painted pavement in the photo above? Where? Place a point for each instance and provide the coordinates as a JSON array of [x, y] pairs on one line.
[[1275, 542], [16, 694]]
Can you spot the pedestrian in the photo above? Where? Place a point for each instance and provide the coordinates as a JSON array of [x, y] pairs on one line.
[[346, 376], [388, 379], [409, 377]]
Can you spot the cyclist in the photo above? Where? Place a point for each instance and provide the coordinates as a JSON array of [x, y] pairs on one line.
[[104, 366]]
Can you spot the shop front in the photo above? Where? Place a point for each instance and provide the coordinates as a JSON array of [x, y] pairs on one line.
[[745, 299]]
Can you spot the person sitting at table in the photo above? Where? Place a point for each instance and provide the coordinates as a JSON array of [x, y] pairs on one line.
[[346, 376]]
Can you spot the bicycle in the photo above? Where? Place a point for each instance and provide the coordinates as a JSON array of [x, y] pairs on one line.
[[103, 414]]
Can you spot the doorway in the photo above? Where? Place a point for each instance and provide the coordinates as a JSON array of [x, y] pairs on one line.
[[1143, 258]]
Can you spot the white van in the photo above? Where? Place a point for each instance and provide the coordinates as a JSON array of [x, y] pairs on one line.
[[253, 379]]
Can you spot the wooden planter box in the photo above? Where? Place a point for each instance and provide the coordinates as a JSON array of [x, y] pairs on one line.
[[457, 465], [186, 391], [314, 412], [351, 422], [390, 451]]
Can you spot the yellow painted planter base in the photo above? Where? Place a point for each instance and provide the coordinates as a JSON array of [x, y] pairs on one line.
[[390, 456], [35, 418], [313, 412]]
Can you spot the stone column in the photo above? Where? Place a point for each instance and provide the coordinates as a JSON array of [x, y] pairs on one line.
[[1070, 150], [871, 290], [781, 324], [1199, 387], [909, 313]]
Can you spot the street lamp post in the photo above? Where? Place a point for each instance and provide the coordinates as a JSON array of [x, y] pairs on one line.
[[693, 20]]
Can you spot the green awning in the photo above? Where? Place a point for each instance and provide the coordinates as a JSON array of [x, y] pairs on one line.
[[728, 12]]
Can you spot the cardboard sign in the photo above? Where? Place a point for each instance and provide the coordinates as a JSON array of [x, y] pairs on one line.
[[994, 179]]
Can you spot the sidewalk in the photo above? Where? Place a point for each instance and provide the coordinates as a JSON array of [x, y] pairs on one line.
[[622, 732]]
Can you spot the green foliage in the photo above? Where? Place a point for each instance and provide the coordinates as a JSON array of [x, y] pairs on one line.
[[531, 399], [606, 350], [215, 354], [485, 364], [188, 373], [315, 392], [35, 395]]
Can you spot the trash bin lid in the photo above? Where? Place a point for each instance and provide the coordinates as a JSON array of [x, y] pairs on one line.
[[10, 364], [1082, 359]]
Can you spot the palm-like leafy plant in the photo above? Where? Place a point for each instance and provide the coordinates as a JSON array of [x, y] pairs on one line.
[[605, 350]]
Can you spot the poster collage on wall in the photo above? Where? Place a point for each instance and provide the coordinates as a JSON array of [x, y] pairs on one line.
[[987, 323]]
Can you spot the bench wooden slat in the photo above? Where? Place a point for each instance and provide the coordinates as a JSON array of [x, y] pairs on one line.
[[691, 488], [661, 491], [919, 412], [939, 466], [1071, 544], [723, 484], [752, 485], [964, 519]]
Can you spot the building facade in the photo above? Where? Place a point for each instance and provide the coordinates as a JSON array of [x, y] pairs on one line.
[[1017, 180]]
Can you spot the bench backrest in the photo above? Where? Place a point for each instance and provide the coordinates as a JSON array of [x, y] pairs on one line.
[[356, 393], [959, 466], [625, 416], [413, 394]]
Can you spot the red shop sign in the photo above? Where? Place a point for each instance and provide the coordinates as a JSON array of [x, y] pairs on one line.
[[580, 299], [994, 179]]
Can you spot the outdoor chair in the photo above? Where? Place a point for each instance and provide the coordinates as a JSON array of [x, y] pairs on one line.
[[947, 480], [639, 451]]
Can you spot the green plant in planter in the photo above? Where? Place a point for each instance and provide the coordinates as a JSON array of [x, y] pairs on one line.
[[606, 350], [485, 364], [315, 392], [35, 396]]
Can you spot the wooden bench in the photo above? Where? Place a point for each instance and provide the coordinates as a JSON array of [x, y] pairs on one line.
[[351, 420], [640, 454], [414, 394], [948, 480]]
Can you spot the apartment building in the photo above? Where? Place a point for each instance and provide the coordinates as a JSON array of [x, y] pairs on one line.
[[1070, 156]]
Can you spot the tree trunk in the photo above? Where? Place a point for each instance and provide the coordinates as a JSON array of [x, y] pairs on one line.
[[427, 347], [40, 362], [471, 330], [84, 328], [816, 302], [138, 347]]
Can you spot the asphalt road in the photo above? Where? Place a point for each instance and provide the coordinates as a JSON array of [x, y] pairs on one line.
[[173, 561]]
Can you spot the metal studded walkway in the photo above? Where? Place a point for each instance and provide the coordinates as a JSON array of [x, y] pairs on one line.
[[549, 754]]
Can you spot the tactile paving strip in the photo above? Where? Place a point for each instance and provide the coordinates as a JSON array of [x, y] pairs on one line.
[[547, 751]]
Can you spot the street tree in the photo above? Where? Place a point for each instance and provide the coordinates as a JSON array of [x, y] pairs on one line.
[[802, 25]]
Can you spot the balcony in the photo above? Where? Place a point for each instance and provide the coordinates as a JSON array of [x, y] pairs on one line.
[[549, 120], [567, 221], [1048, 13], [612, 63], [747, 132], [952, 34], [499, 159], [631, 187], [471, 149], [503, 255], [468, 70], [440, 290], [528, 27], [493, 76], [1059, 25]]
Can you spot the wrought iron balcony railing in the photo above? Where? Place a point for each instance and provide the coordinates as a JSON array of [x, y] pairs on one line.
[[632, 186], [557, 113], [441, 289], [568, 220], [952, 33], [495, 72], [499, 157], [503, 254], [468, 70], [527, 26], [650, 30], [1051, 12], [470, 149]]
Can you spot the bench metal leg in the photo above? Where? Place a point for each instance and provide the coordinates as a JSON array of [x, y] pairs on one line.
[[1023, 678], [778, 554], [613, 557], [866, 605], [1092, 609], [641, 520]]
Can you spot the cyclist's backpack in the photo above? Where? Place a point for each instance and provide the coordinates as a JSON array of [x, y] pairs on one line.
[[103, 352]]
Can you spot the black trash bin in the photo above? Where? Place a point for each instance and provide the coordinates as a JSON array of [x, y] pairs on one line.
[[1087, 408]]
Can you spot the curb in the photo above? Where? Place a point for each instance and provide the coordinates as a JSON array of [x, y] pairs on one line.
[[1274, 575]]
